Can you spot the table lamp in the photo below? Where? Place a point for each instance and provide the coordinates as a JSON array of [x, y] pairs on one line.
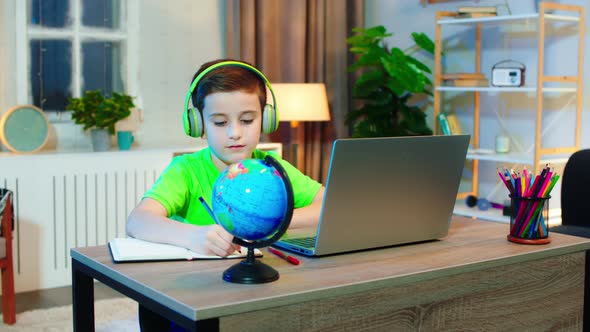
[[301, 102]]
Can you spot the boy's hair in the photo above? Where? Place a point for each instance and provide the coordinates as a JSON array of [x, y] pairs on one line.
[[227, 79]]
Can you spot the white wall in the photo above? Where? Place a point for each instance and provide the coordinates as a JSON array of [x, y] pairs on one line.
[[175, 38], [517, 110]]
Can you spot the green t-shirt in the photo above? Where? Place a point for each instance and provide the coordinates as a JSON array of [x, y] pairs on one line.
[[191, 176]]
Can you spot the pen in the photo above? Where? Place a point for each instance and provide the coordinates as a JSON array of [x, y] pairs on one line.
[[206, 206], [281, 254]]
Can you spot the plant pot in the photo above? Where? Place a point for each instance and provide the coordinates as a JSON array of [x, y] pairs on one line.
[[101, 139]]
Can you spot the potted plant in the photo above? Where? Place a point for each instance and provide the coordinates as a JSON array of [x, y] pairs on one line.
[[100, 114], [389, 77]]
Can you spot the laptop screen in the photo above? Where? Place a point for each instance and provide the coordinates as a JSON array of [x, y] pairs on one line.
[[388, 191]]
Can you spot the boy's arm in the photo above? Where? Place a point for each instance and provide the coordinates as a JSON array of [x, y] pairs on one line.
[[308, 216], [149, 221]]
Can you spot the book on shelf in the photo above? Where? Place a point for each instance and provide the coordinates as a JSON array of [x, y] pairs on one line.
[[454, 126], [481, 151], [477, 9], [134, 250], [444, 123], [463, 76], [475, 15], [470, 82]]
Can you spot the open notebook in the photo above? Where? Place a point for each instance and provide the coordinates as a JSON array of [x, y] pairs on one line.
[[134, 250]]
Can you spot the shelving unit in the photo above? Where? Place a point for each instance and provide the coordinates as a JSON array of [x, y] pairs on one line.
[[503, 89], [558, 84]]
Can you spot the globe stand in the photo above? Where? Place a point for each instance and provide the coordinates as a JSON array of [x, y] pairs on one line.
[[250, 270]]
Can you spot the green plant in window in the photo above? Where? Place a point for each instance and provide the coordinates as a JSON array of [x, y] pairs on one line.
[[93, 110], [389, 78]]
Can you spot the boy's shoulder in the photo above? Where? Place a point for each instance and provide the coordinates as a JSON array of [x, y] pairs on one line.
[[193, 159], [203, 157], [192, 166], [192, 156]]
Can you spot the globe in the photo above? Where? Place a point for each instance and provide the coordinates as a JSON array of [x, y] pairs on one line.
[[250, 200]]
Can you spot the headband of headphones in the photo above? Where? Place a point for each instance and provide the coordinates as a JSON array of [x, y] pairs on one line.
[[193, 121]]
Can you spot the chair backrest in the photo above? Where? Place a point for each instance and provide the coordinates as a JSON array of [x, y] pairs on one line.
[[6, 212], [6, 223], [575, 190]]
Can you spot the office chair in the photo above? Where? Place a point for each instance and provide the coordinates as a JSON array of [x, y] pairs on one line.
[[6, 266], [575, 211], [575, 196]]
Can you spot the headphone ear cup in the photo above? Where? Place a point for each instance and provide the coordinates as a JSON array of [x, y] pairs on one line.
[[193, 123], [270, 120], [186, 123]]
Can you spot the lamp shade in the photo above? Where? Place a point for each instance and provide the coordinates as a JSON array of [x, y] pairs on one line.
[[301, 101]]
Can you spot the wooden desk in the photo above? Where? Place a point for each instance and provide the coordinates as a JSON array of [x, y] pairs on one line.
[[474, 279]]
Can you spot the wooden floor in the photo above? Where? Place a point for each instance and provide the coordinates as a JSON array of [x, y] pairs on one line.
[[56, 297]]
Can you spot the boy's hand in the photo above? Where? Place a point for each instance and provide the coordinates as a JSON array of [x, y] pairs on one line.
[[212, 240]]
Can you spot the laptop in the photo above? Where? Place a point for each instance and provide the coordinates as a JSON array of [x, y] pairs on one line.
[[383, 192]]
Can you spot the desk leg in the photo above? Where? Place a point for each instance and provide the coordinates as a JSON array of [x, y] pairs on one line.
[[82, 299], [211, 324]]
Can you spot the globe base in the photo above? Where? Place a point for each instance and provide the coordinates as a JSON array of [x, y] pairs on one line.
[[254, 272]]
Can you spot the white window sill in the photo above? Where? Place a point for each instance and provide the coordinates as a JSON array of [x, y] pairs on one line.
[[171, 148]]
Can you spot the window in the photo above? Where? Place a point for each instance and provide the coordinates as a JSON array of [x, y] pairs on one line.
[[72, 46]]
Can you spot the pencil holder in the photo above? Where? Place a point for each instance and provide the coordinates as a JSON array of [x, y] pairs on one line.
[[529, 220]]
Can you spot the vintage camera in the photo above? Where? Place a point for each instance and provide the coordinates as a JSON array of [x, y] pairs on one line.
[[508, 76]]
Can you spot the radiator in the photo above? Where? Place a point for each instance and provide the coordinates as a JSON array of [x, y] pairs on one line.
[[71, 201]]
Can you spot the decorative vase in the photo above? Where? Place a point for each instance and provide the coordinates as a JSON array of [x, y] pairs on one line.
[[101, 139]]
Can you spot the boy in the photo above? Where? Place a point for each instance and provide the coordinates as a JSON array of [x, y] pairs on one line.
[[229, 98]]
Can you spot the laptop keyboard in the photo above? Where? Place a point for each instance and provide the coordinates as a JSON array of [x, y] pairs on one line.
[[305, 242]]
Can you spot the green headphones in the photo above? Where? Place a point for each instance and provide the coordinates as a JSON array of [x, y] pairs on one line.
[[193, 117]]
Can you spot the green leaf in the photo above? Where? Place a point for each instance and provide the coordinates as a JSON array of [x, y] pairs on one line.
[[396, 86], [377, 32], [407, 78], [370, 58], [422, 40], [367, 83], [413, 119], [418, 64]]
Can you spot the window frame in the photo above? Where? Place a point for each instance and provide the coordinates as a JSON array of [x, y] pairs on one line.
[[127, 34]]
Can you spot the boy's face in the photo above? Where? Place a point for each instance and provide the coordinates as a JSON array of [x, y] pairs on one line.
[[232, 126]]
